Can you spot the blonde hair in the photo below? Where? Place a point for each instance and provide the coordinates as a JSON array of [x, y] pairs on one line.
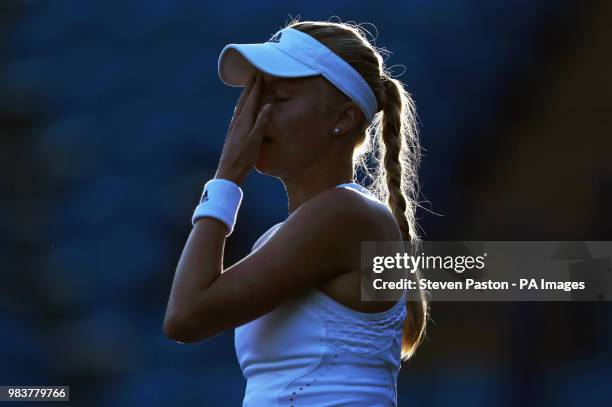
[[391, 141]]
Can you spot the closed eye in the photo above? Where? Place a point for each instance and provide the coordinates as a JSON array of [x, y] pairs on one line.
[[281, 99]]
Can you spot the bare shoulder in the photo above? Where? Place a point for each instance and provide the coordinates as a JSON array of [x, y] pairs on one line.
[[363, 218], [318, 242], [351, 213]]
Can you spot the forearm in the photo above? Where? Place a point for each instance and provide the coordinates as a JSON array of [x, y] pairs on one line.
[[201, 262]]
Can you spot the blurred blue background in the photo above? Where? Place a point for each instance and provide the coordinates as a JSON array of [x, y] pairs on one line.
[[112, 116]]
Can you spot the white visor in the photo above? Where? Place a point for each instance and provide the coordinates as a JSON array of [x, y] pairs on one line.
[[291, 53]]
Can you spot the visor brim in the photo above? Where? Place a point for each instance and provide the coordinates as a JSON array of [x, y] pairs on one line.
[[237, 62]]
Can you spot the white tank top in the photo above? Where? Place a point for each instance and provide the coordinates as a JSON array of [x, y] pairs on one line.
[[314, 351]]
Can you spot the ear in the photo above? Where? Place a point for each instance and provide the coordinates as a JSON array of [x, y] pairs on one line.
[[349, 117]]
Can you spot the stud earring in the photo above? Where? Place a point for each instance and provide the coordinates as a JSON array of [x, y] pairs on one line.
[[336, 131]]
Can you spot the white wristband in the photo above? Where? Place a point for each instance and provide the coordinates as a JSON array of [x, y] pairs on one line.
[[220, 200]]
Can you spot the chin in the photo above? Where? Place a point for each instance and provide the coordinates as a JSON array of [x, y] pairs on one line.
[[268, 167], [264, 169], [262, 165], [265, 162]]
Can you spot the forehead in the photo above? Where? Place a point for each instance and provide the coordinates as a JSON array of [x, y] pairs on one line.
[[314, 88], [278, 82]]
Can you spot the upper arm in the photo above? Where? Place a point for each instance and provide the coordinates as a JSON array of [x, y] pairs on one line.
[[318, 241]]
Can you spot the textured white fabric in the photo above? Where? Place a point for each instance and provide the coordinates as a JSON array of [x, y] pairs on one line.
[[314, 351]]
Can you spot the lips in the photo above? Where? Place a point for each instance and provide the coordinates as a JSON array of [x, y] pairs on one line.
[[267, 139]]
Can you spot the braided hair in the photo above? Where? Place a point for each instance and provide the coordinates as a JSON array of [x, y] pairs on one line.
[[391, 141]]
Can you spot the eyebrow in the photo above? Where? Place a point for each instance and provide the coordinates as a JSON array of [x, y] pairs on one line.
[[279, 81]]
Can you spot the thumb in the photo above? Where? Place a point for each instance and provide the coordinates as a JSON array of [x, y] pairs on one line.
[[262, 119]]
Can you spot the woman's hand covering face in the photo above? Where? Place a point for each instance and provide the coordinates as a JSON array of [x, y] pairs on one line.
[[245, 133]]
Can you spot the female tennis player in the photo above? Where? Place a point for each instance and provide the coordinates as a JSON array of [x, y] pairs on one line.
[[317, 97]]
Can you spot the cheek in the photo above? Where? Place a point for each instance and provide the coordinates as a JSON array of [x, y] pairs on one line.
[[300, 148], [299, 136], [298, 116], [299, 127]]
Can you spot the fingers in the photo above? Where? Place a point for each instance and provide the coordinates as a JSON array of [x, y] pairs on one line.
[[256, 133], [252, 100], [244, 96]]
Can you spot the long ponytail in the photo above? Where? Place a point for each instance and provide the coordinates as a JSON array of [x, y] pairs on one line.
[[398, 180], [393, 137]]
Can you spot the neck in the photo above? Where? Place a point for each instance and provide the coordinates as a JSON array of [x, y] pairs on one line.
[[307, 183]]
